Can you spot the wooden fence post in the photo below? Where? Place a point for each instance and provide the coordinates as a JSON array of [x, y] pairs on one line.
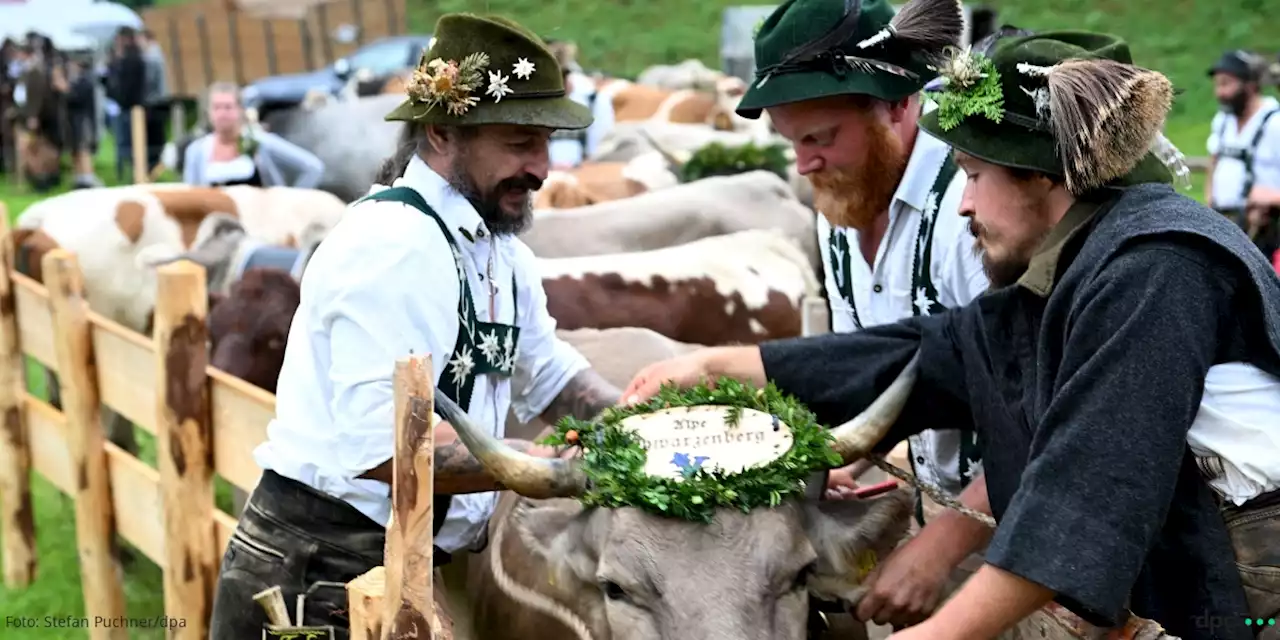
[[100, 576], [397, 600], [138, 135], [185, 453], [17, 522]]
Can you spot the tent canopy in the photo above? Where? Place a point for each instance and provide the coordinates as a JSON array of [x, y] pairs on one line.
[[72, 25]]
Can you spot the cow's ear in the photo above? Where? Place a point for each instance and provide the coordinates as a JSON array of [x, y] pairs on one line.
[[852, 537], [564, 536]]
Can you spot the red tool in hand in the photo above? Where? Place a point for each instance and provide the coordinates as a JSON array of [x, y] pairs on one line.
[[876, 489]]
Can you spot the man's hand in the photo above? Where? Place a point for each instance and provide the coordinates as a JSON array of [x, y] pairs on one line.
[[907, 586], [683, 371], [842, 482]]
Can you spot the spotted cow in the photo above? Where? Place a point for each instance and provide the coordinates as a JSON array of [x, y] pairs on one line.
[[744, 287]]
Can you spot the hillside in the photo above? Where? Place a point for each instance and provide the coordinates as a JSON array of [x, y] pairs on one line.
[[1182, 38]]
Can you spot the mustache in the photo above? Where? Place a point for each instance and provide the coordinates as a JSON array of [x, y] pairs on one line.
[[975, 229], [526, 182]]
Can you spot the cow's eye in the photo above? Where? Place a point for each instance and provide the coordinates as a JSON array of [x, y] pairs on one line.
[[613, 590]]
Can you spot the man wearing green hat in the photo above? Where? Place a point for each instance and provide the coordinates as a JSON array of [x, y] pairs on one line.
[[427, 266], [842, 81], [1123, 374]]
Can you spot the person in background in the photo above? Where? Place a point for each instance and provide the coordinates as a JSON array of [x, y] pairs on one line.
[[82, 134], [126, 85], [570, 148], [1244, 139], [234, 154], [39, 117]]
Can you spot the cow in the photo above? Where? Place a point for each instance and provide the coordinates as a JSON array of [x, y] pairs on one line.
[[351, 160], [249, 326], [629, 573], [680, 214], [690, 74], [596, 182], [626, 140], [744, 287], [116, 232]]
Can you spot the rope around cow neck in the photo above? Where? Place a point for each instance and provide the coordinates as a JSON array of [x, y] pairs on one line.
[[526, 596], [938, 495]]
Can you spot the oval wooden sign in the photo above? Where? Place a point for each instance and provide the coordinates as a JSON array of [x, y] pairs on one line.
[[681, 439]]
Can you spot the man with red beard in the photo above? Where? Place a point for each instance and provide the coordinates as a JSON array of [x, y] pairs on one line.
[[843, 81]]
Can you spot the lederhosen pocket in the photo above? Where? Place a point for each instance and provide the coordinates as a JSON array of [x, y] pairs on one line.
[[482, 348], [1254, 528]]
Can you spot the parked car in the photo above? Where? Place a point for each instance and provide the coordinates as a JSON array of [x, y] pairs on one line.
[[380, 57]]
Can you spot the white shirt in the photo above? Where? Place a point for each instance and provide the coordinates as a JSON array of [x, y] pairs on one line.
[[1229, 173], [383, 286], [882, 293], [1237, 425]]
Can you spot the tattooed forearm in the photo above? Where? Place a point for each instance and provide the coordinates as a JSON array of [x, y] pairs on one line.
[[586, 395]]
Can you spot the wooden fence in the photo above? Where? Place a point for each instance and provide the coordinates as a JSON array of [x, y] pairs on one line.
[[205, 422], [215, 40]]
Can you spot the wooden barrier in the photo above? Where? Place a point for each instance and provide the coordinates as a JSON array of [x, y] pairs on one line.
[[205, 421]]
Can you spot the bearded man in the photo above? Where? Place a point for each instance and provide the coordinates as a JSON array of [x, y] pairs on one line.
[[1244, 138], [843, 83], [1123, 375], [429, 265]]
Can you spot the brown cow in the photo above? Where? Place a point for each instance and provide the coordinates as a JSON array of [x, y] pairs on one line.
[[595, 182], [249, 327], [739, 288]]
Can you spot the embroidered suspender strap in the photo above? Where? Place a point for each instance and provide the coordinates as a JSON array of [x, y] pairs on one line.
[[1251, 152], [842, 270]]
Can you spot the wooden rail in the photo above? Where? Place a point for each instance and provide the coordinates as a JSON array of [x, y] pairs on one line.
[[205, 421]]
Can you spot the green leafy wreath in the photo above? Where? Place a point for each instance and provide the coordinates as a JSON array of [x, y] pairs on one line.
[[614, 457]]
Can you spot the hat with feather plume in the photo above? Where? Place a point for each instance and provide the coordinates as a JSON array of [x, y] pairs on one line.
[[809, 49], [1064, 103]]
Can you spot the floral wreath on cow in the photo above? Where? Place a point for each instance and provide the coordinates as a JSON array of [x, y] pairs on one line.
[[621, 472], [488, 70]]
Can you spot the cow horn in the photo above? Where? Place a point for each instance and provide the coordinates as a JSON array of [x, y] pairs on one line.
[[855, 438], [529, 476]]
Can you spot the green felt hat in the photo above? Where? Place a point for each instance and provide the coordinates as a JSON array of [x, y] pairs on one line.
[[808, 49], [489, 70], [1063, 103]]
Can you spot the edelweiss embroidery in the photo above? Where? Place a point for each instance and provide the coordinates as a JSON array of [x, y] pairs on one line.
[[461, 365], [490, 345]]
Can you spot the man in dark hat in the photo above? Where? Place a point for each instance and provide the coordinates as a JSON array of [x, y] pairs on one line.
[[1123, 375], [1244, 138], [842, 81], [430, 265]]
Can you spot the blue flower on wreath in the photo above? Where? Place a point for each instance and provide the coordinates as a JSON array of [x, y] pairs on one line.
[[685, 465]]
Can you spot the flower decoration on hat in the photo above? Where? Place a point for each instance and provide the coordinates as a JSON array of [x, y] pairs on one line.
[[970, 86], [458, 86], [523, 69], [448, 84]]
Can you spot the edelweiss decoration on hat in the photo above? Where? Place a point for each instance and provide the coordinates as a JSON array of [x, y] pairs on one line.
[[1066, 103], [489, 70], [809, 49]]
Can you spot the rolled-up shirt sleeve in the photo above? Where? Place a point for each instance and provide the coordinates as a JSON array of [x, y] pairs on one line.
[[399, 297], [838, 375], [1106, 457], [545, 363]]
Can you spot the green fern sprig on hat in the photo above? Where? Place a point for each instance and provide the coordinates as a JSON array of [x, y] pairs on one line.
[[971, 87]]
